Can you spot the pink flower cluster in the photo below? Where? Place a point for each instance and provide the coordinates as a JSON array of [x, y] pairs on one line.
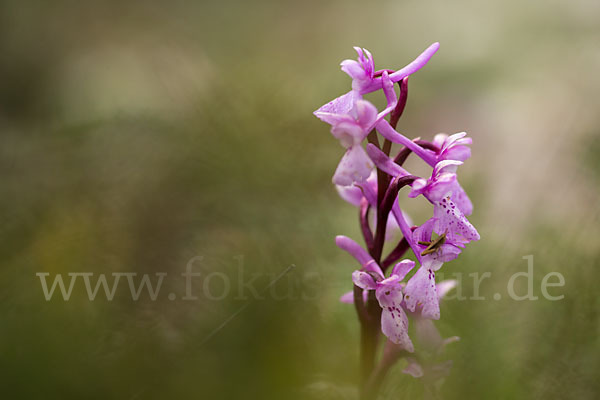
[[371, 179]]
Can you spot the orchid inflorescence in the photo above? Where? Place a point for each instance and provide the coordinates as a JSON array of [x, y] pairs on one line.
[[371, 179]]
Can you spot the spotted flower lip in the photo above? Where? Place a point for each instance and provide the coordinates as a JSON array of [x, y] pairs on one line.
[[420, 290], [419, 300], [448, 216], [450, 219]]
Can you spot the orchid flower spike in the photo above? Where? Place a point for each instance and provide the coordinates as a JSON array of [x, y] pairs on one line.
[[368, 178]]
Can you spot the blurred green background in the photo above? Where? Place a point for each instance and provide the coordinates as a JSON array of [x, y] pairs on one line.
[[137, 136]]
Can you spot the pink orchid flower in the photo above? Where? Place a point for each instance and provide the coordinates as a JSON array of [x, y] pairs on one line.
[[351, 119], [388, 291], [362, 71]]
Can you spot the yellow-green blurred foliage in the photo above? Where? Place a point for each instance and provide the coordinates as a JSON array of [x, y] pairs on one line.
[[136, 136]]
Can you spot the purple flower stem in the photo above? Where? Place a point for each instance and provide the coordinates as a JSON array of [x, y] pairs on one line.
[[370, 327], [395, 254], [359, 305], [390, 356], [372, 138], [369, 337], [397, 113], [385, 199], [384, 209], [364, 224]]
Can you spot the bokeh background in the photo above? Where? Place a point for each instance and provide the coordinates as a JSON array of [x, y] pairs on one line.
[[137, 136]]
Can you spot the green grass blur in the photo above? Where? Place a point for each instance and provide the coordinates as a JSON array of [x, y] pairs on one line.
[[137, 136]]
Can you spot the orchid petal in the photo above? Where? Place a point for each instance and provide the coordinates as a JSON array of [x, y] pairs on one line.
[[351, 194], [355, 166], [427, 334], [417, 187], [348, 132], [451, 339], [413, 368], [368, 63], [363, 280], [347, 298], [337, 108], [417, 64], [388, 90], [445, 166], [455, 147], [443, 185], [360, 254], [420, 289], [385, 163], [432, 262], [423, 232], [461, 153], [354, 69], [447, 252], [411, 68], [461, 200], [452, 139], [365, 114], [450, 220], [394, 323], [369, 191], [444, 287], [439, 139], [403, 268]]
